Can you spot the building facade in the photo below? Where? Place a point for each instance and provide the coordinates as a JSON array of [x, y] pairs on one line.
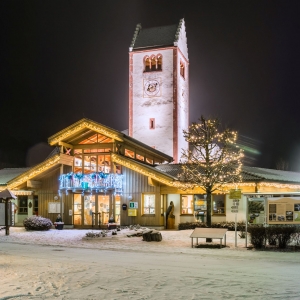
[[159, 88], [96, 175]]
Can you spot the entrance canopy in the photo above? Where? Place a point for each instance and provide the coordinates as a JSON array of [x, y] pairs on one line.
[[7, 194]]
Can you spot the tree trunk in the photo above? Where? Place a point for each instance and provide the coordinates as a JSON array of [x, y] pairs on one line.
[[208, 212]]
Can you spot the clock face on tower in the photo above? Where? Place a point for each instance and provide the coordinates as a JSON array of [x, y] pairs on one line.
[[151, 87]]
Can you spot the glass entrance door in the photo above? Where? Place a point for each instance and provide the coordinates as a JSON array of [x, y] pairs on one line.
[[95, 210], [89, 209], [103, 208]]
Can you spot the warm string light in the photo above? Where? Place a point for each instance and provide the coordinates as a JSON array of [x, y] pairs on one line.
[[215, 159], [44, 166], [82, 124]]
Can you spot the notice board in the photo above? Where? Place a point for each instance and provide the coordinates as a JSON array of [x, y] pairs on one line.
[[283, 210]]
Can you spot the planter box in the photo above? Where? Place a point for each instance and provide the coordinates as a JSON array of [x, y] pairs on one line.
[[59, 225]]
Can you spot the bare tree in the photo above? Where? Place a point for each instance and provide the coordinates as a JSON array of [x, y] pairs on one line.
[[213, 159], [282, 165]]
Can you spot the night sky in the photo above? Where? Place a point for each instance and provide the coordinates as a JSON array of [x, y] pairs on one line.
[[61, 61]]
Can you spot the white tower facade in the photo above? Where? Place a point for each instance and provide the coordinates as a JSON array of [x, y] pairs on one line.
[[159, 88]]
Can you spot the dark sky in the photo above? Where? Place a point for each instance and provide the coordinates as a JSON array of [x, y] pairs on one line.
[[61, 61]]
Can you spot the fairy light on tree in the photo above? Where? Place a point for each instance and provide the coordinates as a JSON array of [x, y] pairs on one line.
[[213, 159]]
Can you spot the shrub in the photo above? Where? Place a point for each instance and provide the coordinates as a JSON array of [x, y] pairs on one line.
[[37, 223], [284, 235], [229, 225], [271, 235], [296, 236], [257, 236], [281, 234]]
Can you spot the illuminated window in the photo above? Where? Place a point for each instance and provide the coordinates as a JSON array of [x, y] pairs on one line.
[[153, 63], [149, 161], [187, 204], [96, 138], [152, 123], [129, 153], [182, 69], [200, 203], [104, 150], [218, 204], [78, 163], [117, 208], [104, 163], [148, 204], [103, 208], [77, 209], [90, 164], [140, 157], [23, 204], [163, 200]]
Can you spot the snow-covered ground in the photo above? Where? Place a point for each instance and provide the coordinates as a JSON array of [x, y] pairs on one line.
[[64, 264]]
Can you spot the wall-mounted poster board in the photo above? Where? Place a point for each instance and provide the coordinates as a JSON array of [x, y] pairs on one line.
[[54, 208], [283, 210]]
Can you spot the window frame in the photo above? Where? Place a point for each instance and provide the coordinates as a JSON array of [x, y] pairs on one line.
[[223, 213], [144, 195], [151, 60], [23, 209], [191, 207]]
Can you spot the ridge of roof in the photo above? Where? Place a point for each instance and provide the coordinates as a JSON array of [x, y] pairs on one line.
[[158, 36]]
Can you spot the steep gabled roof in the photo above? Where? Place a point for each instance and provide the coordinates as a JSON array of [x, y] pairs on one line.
[[154, 37], [85, 125]]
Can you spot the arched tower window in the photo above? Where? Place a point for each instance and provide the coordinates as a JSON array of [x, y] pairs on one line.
[[153, 63], [159, 62], [147, 62], [182, 69]]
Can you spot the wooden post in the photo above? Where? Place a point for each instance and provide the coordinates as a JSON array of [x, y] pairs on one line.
[[171, 223], [6, 217]]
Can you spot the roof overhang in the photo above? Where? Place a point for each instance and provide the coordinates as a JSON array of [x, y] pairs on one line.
[[80, 126], [143, 169], [33, 172]]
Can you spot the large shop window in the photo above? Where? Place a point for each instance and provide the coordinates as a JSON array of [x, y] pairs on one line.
[[149, 204], [219, 204], [187, 204], [23, 204]]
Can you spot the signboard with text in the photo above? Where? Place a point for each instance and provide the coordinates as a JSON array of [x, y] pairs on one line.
[[285, 210], [235, 194]]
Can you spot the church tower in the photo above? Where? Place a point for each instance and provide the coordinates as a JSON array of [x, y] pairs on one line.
[[159, 88]]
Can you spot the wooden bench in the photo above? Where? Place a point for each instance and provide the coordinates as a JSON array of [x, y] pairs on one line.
[[210, 233]]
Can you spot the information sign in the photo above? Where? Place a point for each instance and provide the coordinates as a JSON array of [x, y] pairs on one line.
[[235, 194], [133, 205]]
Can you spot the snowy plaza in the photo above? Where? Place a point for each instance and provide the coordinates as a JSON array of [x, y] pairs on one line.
[[65, 264]]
